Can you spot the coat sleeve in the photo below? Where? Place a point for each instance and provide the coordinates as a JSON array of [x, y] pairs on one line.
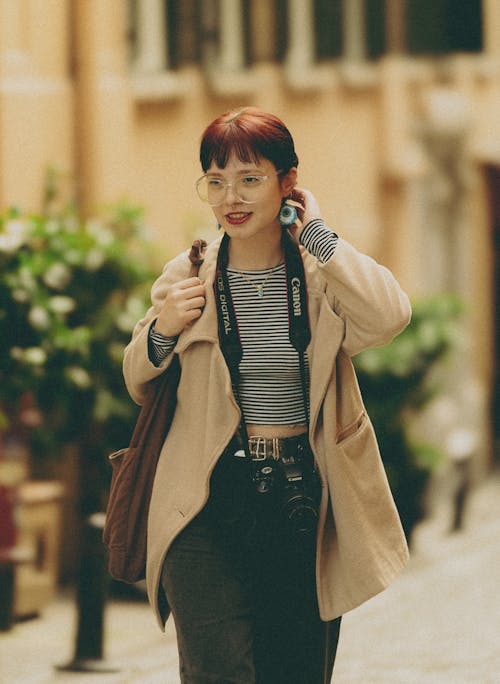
[[138, 369], [366, 296]]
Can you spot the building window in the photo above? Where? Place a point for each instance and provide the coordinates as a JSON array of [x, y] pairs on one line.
[[170, 34], [185, 32], [328, 28], [227, 36], [443, 26], [376, 43], [417, 27]]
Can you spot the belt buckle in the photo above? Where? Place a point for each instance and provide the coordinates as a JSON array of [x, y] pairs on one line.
[[260, 448]]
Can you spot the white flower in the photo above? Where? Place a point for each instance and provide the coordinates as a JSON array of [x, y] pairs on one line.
[[61, 304], [94, 227], [78, 376], [94, 259], [102, 235], [35, 356], [27, 280], [20, 295], [52, 227], [39, 318], [57, 276], [13, 235], [9, 243], [73, 257], [134, 309]]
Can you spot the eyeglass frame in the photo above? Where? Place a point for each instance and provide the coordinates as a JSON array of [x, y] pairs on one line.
[[227, 184]]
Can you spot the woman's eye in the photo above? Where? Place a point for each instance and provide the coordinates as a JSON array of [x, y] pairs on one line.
[[251, 180], [214, 182]]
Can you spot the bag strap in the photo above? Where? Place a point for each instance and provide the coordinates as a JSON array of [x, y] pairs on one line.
[[153, 407]]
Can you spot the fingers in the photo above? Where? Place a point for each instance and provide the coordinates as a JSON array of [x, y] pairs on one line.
[[189, 282], [298, 197], [188, 304], [183, 304], [195, 303], [192, 315], [188, 289], [190, 292], [189, 297], [309, 205], [303, 197]]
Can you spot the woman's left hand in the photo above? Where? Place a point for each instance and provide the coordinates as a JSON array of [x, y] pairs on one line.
[[307, 210]]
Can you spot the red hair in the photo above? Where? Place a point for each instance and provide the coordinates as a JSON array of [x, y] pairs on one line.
[[251, 134]]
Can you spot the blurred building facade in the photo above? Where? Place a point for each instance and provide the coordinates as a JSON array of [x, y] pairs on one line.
[[394, 105]]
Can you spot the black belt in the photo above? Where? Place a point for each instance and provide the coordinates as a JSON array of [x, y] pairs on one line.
[[263, 448]]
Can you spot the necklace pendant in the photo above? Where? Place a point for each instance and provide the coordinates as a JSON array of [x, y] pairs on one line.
[[260, 291]]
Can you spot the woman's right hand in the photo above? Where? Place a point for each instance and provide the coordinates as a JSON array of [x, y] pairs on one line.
[[183, 304]]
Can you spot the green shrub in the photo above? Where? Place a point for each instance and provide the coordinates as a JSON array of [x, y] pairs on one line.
[[71, 291]]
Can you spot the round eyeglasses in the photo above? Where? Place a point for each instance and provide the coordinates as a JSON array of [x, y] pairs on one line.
[[248, 188]]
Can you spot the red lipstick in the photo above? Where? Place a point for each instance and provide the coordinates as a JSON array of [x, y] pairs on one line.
[[237, 218]]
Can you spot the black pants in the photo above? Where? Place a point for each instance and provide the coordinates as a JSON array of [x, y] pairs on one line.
[[243, 594]]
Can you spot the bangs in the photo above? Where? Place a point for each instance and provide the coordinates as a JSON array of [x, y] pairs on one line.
[[216, 149]]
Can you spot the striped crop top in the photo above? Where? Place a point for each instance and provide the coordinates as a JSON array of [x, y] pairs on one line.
[[270, 383]]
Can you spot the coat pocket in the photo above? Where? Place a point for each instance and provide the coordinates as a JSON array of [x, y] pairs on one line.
[[352, 429]]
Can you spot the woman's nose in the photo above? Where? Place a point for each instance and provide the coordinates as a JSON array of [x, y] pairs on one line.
[[231, 196]]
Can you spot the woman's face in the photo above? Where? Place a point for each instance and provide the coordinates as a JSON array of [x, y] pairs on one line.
[[242, 220]]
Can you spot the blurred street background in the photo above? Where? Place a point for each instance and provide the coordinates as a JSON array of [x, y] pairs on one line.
[[395, 110]]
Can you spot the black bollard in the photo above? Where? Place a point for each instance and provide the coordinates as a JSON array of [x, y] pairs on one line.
[[6, 593], [461, 494], [91, 599]]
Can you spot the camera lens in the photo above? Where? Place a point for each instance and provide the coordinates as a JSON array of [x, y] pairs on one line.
[[302, 514]]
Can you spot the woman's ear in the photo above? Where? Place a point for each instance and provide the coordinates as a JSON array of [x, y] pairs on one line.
[[289, 181]]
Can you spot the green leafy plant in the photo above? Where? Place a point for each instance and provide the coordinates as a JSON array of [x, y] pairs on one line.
[[398, 380], [71, 290]]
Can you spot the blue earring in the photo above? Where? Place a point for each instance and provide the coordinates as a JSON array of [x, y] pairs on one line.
[[287, 215], [219, 226]]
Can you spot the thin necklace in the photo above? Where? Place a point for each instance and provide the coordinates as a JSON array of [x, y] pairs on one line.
[[258, 286]]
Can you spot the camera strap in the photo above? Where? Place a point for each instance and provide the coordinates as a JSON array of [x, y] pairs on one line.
[[298, 318]]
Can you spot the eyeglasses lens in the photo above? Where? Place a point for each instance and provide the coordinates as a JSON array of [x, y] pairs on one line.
[[213, 190]]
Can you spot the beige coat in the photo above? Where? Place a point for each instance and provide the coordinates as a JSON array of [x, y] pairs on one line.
[[354, 303]]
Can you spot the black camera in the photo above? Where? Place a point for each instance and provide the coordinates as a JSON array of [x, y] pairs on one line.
[[296, 484]]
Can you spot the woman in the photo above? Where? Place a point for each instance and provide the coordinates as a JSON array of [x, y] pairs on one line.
[[271, 514]]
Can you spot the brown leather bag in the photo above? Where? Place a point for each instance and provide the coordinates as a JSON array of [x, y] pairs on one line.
[[134, 468]]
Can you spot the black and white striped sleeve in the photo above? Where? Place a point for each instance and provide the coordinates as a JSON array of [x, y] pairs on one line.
[[159, 346], [319, 240]]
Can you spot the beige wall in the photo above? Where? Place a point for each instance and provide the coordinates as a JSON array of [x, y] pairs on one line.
[[36, 97], [103, 108]]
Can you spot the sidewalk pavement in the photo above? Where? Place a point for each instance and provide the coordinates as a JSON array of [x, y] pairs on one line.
[[439, 623]]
